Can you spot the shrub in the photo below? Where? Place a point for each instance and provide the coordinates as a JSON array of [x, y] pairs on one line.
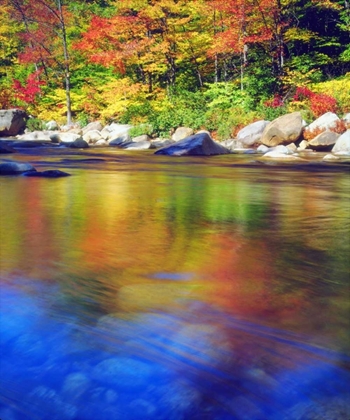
[[35, 124]]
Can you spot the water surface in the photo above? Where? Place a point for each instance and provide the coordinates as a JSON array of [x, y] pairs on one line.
[[147, 287]]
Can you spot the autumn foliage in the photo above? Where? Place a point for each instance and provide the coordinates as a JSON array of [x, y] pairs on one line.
[[29, 91]]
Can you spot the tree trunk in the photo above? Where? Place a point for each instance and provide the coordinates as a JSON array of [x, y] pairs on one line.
[[66, 63]]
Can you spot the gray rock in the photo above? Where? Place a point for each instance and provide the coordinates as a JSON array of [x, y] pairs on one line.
[[15, 168], [324, 122], [182, 133], [64, 137], [343, 143], [51, 125], [283, 130], [79, 143], [200, 144], [252, 133], [324, 141], [140, 145], [118, 141], [282, 149], [114, 131], [93, 126], [346, 118], [292, 147], [262, 149], [142, 138], [51, 173], [12, 122], [101, 143], [92, 136], [35, 135], [303, 145]]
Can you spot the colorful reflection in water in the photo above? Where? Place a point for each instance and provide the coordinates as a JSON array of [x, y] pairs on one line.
[[172, 290]]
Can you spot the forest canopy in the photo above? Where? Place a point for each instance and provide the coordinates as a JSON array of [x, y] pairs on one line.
[[159, 64]]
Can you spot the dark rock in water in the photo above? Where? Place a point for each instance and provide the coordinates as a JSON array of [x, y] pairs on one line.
[[15, 168], [78, 144], [120, 141], [200, 144], [51, 173], [29, 144], [44, 403], [123, 373], [5, 148], [12, 122]]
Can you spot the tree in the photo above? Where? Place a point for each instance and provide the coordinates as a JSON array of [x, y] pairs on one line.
[[45, 38]]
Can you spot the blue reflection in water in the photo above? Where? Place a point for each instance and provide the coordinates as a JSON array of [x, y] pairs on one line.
[[197, 364]]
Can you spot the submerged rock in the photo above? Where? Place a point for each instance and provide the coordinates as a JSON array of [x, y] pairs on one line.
[[200, 144], [15, 168], [123, 373], [51, 173], [5, 148]]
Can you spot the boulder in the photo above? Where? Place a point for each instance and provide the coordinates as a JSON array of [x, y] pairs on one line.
[[114, 131], [346, 118], [142, 138], [200, 144], [92, 136], [15, 168], [324, 122], [252, 133], [283, 130], [232, 144], [324, 141], [79, 143], [182, 133], [12, 122], [93, 126], [64, 137], [120, 140], [343, 143], [51, 125], [35, 135], [139, 145], [51, 173]]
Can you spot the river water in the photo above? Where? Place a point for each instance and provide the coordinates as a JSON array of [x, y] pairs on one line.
[[146, 287]]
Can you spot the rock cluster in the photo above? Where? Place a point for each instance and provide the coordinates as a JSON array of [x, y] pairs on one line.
[[325, 134]]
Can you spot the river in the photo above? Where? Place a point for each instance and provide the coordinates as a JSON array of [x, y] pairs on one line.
[[147, 287]]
